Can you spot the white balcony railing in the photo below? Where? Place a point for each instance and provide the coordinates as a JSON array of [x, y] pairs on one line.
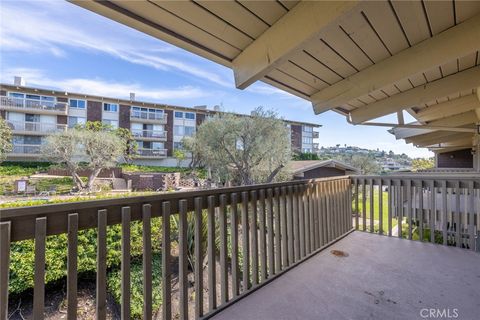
[[160, 134], [36, 126], [19, 103], [26, 149], [160, 153], [147, 115]]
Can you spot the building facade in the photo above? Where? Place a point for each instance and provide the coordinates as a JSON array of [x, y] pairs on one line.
[[34, 113]]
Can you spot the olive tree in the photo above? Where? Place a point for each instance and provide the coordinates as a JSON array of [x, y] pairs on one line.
[[82, 148], [245, 150], [5, 139]]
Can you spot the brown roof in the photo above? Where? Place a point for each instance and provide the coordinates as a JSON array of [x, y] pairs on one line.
[[306, 165]]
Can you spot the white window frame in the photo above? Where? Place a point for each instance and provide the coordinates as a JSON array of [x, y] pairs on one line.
[[110, 104], [73, 99]]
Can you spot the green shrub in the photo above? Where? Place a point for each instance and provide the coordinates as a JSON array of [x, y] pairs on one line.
[[114, 282], [22, 255], [201, 173], [10, 168]]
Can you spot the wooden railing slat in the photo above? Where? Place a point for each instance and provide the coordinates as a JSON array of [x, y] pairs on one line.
[[433, 211], [419, 190], [380, 206], [166, 267], [458, 215], [212, 281], [409, 209], [400, 209], [390, 205], [183, 260], [278, 239], [101, 298], [290, 225], [271, 234], [222, 219], [5, 233], [263, 240], [444, 212], [254, 237], [234, 235], [147, 261], [125, 264], [296, 242], [72, 258], [245, 244], [364, 205], [357, 213], [471, 216], [301, 217], [283, 227], [198, 258]]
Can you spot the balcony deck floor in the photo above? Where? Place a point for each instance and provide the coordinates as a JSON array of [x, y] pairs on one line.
[[382, 278]]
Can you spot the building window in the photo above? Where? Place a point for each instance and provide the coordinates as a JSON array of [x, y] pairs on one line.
[[307, 129], [79, 104], [32, 117], [189, 131], [178, 131], [113, 123], [73, 121], [307, 140], [179, 114], [190, 115], [110, 107], [177, 145]]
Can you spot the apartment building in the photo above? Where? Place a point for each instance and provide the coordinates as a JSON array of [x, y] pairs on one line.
[[33, 113]]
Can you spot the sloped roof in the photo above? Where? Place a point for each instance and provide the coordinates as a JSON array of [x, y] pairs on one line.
[[297, 167]]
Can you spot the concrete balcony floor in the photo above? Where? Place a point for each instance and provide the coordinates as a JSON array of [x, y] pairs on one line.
[[381, 278]]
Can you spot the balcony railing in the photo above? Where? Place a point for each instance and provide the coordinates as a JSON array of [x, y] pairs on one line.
[[441, 208], [262, 231], [246, 235], [19, 103], [155, 153], [26, 149], [315, 134], [147, 115], [158, 134], [40, 127]]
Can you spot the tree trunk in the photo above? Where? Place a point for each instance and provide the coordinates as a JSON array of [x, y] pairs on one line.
[[274, 173], [92, 177], [77, 180]]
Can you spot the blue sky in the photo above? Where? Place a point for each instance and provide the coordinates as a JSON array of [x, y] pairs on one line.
[[55, 44]]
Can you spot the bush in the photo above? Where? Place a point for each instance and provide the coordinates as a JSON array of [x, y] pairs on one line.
[[22, 255], [305, 156], [114, 282], [10, 168], [201, 173]]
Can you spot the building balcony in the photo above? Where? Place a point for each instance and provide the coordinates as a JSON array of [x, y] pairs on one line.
[[35, 128], [33, 106], [25, 150], [315, 134], [143, 153], [343, 248], [148, 117], [150, 135]]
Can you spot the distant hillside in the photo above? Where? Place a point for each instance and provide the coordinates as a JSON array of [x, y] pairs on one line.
[[380, 160]]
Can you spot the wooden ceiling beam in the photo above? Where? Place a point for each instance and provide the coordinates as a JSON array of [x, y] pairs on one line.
[[300, 25], [452, 84], [450, 138], [455, 42], [449, 108]]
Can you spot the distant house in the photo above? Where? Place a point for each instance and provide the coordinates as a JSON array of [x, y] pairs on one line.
[[312, 169]]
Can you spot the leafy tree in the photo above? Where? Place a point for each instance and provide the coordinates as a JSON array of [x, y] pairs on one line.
[[180, 156], [245, 150], [423, 163], [5, 139], [366, 164], [87, 147], [190, 144]]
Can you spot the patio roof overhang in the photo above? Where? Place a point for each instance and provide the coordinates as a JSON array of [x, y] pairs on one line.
[[362, 59]]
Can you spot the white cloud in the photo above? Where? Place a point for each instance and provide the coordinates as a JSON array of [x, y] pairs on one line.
[[34, 27], [36, 77]]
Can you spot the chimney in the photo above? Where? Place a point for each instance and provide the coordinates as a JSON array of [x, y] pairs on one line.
[[132, 96], [19, 81]]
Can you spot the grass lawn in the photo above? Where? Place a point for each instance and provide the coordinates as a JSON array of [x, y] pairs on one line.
[[376, 210]]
